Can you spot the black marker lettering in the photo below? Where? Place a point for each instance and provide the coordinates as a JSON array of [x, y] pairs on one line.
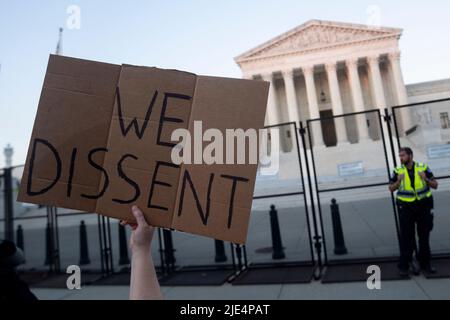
[[163, 117], [30, 173], [157, 182], [134, 123], [99, 167], [131, 182], [233, 191], [204, 216]]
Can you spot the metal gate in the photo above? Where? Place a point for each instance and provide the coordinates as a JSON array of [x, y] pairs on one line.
[[425, 128], [282, 227], [358, 221]]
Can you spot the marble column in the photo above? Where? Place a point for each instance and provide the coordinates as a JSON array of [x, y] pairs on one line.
[[336, 102], [377, 82], [357, 97], [380, 99], [313, 106], [291, 96], [272, 112], [400, 89]]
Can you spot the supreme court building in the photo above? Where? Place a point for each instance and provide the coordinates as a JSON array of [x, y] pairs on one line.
[[322, 68]]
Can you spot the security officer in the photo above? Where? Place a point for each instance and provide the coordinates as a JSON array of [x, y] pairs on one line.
[[413, 182]]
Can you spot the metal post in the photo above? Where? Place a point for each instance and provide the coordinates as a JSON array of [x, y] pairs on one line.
[[123, 248], [244, 251], [52, 258], [84, 250], [302, 132], [233, 259], [339, 242], [169, 256], [111, 263], [161, 252], [238, 255], [107, 252], [387, 119], [48, 245], [105, 245], [8, 203], [278, 252], [317, 237], [220, 251]]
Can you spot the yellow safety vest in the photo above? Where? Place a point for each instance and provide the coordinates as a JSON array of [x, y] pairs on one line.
[[420, 191]]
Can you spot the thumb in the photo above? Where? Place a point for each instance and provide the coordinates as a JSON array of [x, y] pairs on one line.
[[137, 213]]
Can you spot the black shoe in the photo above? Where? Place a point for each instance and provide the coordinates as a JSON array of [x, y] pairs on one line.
[[404, 273], [415, 268], [429, 269]]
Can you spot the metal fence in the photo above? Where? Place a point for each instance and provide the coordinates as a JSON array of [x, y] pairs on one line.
[[327, 204]]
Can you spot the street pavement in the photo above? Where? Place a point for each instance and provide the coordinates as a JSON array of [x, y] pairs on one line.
[[417, 288], [369, 230]]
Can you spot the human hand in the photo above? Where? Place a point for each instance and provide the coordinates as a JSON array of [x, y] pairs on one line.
[[142, 234], [423, 175], [400, 177], [143, 281]]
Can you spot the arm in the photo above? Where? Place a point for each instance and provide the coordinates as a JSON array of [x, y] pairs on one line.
[[144, 282], [395, 185], [429, 179], [433, 184]]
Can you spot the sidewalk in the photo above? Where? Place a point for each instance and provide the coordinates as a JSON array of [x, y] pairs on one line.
[[418, 288]]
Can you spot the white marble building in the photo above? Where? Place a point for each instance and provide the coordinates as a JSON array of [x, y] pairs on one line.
[[322, 68]]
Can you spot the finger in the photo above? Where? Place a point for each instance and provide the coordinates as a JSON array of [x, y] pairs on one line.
[[127, 223], [131, 224], [137, 213]]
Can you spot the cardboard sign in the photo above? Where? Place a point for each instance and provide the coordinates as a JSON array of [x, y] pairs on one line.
[[101, 143]]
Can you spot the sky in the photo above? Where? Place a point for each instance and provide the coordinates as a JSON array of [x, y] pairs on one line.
[[200, 36]]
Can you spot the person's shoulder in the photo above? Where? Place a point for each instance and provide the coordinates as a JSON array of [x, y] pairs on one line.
[[421, 164]]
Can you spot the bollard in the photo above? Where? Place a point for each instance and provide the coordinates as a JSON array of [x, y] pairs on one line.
[[84, 250], [123, 248], [19, 237], [278, 252], [339, 242], [220, 251], [169, 250]]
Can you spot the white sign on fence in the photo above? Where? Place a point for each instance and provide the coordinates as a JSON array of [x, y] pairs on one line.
[[437, 152], [351, 169]]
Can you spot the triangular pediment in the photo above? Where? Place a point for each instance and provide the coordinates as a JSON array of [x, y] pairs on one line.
[[315, 35]]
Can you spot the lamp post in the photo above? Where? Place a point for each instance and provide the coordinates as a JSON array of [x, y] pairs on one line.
[[8, 151]]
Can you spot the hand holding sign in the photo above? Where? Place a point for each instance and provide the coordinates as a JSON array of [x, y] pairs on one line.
[[142, 234]]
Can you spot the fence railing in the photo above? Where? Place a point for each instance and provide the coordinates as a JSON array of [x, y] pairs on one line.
[[328, 203]]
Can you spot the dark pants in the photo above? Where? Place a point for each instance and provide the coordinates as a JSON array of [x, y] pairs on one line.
[[411, 216]]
